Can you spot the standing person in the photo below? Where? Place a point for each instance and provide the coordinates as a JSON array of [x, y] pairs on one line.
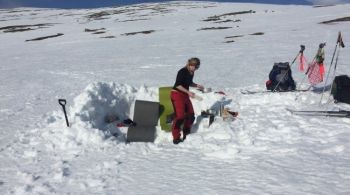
[[180, 97]]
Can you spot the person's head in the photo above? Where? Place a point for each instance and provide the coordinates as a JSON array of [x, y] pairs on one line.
[[193, 63]]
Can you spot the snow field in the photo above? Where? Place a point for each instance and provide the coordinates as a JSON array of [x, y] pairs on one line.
[[265, 150]]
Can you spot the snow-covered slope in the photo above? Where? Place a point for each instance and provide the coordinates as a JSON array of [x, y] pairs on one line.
[[109, 57]]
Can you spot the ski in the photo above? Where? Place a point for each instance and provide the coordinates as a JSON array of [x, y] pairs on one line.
[[248, 92], [340, 113]]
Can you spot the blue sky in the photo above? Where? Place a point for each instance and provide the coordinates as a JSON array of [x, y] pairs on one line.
[[106, 3]]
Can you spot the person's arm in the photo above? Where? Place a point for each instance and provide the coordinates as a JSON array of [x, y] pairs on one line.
[[181, 88], [197, 85]]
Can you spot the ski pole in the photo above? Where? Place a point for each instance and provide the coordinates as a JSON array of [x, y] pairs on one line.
[[335, 66], [297, 96], [302, 48], [63, 102], [302, 81], [312, 63], [339, 44], [329, 70]]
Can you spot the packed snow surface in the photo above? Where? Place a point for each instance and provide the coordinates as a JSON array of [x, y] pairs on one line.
[[108, 58]]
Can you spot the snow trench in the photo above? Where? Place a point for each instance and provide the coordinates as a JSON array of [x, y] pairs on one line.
[[89, 110], [263, 122]]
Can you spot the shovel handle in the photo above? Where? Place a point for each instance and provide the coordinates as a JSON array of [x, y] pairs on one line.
[[62, 102]]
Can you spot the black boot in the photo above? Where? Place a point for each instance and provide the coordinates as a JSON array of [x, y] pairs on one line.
[[177, 141], [185, 132]]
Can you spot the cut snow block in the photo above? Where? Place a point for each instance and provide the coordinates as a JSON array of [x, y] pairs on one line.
[[146, 115], [166, 108]]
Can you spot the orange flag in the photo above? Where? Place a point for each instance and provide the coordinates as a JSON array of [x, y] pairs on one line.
[[302, 61]]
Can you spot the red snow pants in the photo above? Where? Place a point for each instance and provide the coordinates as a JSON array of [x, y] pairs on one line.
[[184, 114]]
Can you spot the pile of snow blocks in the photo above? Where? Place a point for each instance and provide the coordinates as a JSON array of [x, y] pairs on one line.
[[146, 116]]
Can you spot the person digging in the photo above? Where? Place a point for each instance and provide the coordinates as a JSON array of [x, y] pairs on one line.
[[180, 98]]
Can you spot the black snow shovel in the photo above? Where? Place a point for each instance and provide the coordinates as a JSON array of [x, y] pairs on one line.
[[63, 102]]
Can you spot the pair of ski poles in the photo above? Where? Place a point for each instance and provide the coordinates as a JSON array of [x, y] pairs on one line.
[[338, 45]]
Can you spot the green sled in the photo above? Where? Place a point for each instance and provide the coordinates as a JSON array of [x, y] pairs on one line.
[[166, 110]]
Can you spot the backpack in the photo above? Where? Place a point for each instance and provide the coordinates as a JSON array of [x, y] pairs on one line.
[[341, 89], [280, 76]]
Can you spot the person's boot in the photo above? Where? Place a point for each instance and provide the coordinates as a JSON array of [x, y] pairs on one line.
[[185, 133], [177, 141]]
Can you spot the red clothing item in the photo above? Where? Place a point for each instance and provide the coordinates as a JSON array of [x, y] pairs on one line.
[[321, 70], [184, 114]]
